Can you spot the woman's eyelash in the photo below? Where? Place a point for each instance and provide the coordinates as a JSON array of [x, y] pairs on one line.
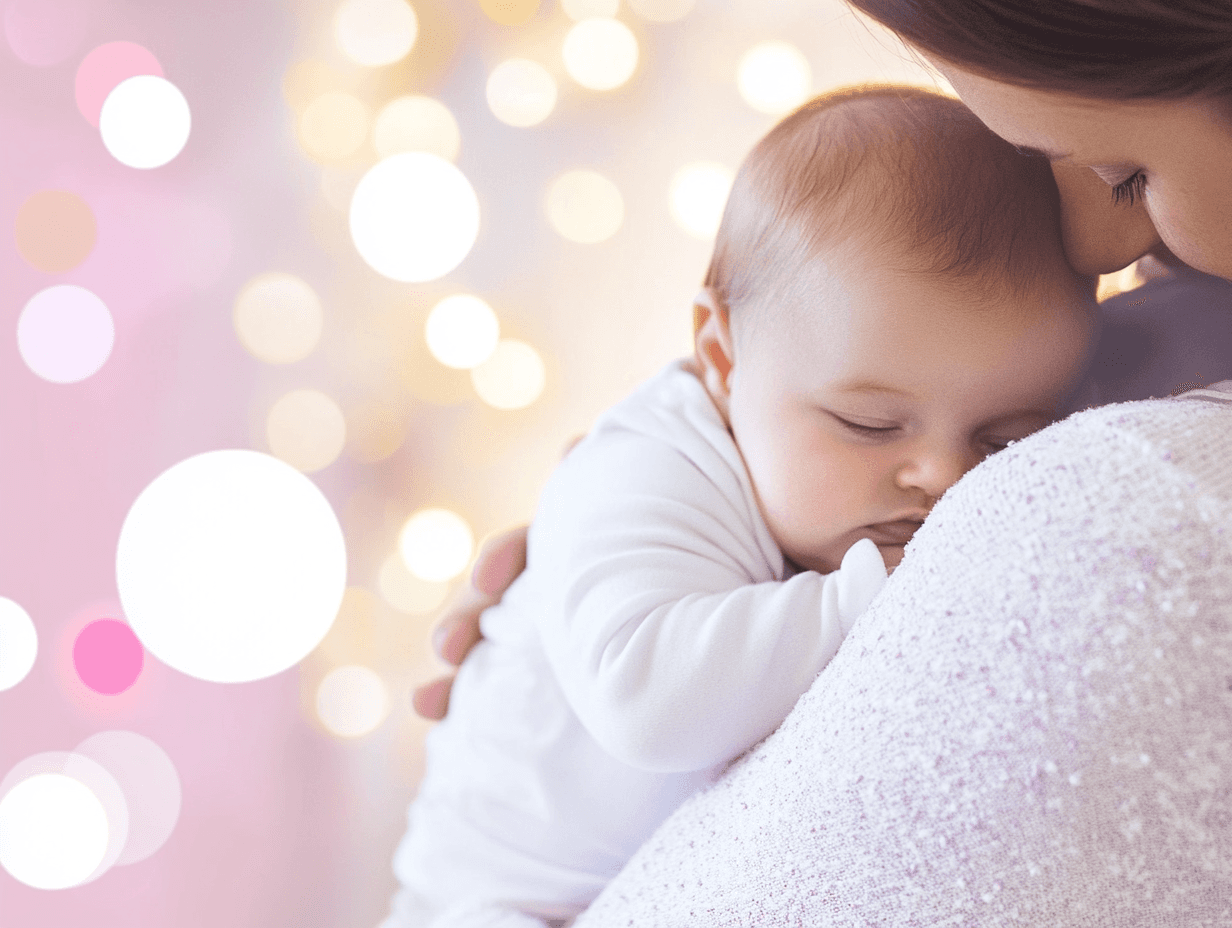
[[1129, 189]]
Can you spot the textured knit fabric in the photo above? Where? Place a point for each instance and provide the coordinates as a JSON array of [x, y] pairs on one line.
[[1031, 726], [656, 634]]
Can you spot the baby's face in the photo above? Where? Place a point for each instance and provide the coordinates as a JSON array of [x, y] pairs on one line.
[[856, 412]]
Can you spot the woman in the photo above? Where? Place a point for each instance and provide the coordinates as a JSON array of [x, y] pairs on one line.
[[1033, 725]]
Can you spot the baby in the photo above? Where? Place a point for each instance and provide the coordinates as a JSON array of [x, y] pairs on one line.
[[888, 303]]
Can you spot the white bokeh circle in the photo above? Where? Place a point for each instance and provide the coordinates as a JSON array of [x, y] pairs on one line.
[[374, 33], [462, 331], [414, 217], [698, 196], [521, 92], [352, 701], [54, 830], [512, 378], [436, 544], [774, 77], [65, 334], [145, 121], [18, 644], [600, 53], [231, 566]]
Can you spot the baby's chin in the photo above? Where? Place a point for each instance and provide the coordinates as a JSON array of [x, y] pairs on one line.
[[892, 555]]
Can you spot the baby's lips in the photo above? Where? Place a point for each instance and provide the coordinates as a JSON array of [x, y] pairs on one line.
[[892, 533]]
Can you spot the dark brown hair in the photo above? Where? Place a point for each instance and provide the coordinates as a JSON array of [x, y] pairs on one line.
[[903, 170], [1106, 49]]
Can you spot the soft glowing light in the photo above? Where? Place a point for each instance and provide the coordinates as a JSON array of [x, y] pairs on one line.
[[149, 783], [436, 544], [774, 77], [53, 831], [334, 126], [306, 80], [521, 92], [662, 11], [585, 9], [416, 124], [600, 54], [306, 429], [145, 121], [414, 217], [375, 32], [18, 644], [107, 656], [698, 195], [374, 431], [462, 331], [509, 12], [104, 68], [278, 318], [1126, 279], [352, 701], [55, 230], [46, 32], [65, 334], [584, 206], [406, 592], [512, 378], [230, 566]]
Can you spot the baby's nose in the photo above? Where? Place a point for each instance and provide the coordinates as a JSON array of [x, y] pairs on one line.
[[935, 470]]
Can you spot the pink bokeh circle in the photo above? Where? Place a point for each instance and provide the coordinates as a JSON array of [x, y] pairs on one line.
[[104, 68], [108, 657], [46, 32]]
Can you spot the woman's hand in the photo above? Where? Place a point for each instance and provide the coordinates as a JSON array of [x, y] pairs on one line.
[[500, 561]]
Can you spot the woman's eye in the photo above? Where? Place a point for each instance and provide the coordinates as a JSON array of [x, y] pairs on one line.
[[1129, 189]]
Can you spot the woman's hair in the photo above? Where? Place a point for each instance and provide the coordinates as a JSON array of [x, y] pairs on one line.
[[908, 173], [1105, 49]]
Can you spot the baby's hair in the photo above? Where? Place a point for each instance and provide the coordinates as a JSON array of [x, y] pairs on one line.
[[901, 170]]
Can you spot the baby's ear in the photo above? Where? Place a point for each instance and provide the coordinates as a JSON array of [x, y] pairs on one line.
[[712, 346]]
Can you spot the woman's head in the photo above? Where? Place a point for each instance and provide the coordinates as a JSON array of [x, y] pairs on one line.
[[1131, 98]]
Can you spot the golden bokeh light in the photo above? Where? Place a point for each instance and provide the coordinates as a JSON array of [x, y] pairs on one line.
[[334, 126], [462, 331], [584, 206], [406, 592], [600, 53], [436, 544], [352, 701], [308, 79], [512, 378], [55, 230], [278, 318], [521, 92], [774, 77], [585, 9], [375, 431], [415, 123], [698, 195], [306, 429], [509, 12], [374, 33], [662, 11]]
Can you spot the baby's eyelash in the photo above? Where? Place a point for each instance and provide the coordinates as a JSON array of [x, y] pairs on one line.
[[1130, 188], [866, 429]]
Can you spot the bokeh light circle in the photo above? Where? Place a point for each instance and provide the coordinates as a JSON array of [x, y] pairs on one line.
[[150, 785], [584, 206], [774, 77], [585, 9], [414, 217], [509, 12], [278, 318], [53, 831], [415, 123], [374, 33], [104, 68], [107, 656], [18, 644], [65, 333], [406, 592], [55, 230], [512, 378], [307, 429], [352, 701], [334, 126], [46, 32], [662, 11], [145, 122], [698, 196], [462, 331], [600, 53], [230, 566], [521, 92], [436, 544]]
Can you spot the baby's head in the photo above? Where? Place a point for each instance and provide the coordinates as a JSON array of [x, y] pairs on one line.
[[887, 304]]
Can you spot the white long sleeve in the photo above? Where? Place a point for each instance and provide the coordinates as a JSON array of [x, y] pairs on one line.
[[666, 618]]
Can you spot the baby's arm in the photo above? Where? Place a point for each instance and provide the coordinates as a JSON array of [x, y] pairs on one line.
[[669, 642]]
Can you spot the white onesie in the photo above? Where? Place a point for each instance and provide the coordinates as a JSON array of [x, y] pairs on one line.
[[656, 635]]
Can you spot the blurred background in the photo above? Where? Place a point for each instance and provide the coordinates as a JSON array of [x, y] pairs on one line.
[[301, 300]]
